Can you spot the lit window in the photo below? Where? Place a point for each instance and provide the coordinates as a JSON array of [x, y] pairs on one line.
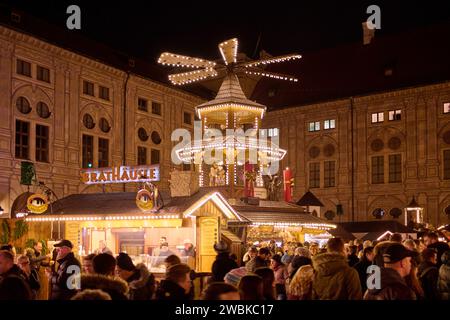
[[447, 107], [377, 117], [395, 115], [314, 126], [273, 132], [329, 124]]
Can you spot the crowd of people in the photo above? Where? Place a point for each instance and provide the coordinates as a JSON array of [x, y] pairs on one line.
[[389, 270]]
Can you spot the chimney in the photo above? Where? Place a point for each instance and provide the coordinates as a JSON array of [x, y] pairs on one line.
[[368, 34]]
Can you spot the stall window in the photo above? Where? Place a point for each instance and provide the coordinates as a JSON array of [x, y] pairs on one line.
[[22, 139], [395, 168], [155, 156], [41, 143], [23, 68], [43, 74], [142, 156], [103, 152], [377, 169], [314, 175], [329, 174], [87, 151]]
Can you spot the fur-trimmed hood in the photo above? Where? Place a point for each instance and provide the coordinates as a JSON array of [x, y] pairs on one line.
[[144, 276], [105, 283], [329, 263]]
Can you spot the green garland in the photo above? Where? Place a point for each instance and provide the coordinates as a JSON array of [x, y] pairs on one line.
[[5, 232]]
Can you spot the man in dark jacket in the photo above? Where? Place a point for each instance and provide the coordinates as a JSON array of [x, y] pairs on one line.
[[140, 281], [397, 265], [177, 284], [428, 274], [334, 279], [8, 268], [36, 257], [103, 278], [64, 280], [361, 266], [431, 240], [223, 263], [260, 261]]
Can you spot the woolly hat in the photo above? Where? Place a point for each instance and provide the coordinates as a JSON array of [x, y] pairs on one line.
[[234, 276]]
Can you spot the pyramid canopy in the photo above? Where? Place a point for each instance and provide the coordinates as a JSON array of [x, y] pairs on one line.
[[309, 199], [230, 92]]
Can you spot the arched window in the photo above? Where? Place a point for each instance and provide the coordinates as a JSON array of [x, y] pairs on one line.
[[378, 213], [88, 121], [395, 213], [330, 215], [104, 125], [156, 138], [142, 134], [42, 110], [23, 105]]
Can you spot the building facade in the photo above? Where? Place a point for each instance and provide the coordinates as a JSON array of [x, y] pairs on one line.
[[366, 157], [64, 111]]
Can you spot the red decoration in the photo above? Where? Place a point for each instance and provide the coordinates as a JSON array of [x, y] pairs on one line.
[[288, 184], [250, 177]]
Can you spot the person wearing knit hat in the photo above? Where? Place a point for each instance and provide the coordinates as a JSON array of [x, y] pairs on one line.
[[234, 276], [140, 281]]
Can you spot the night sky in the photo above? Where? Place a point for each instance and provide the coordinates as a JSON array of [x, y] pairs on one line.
[[145, 28]]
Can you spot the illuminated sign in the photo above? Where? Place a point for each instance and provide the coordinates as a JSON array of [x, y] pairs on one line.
[[37, 203], [122, 174]]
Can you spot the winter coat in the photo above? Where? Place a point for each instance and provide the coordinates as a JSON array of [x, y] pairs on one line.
[[60, 291], [15, 271], [141, 283], [169, 290], [393, 287], [352, 260], [334, 279], [361, 268], [428, 275], [444, 282], [115, 287], [280, 274], [221, 266], [36, 259], [255, 263]]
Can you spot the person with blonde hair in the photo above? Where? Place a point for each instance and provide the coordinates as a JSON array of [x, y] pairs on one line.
[[32, 279], [300, 288]]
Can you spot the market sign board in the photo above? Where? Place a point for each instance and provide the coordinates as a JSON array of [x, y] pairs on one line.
[[122, 174]]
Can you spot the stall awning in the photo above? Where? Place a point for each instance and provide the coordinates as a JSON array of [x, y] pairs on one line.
[[286, 218]]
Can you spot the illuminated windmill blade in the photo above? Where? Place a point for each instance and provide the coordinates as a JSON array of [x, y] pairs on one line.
[[228, 49], [278, 59], [272, 75], [192, 76], [176, 60]]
